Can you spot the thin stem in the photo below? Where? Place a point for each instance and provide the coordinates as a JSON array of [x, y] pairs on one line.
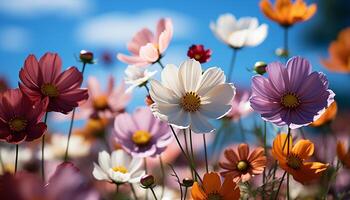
[[241, 129], [16, 161], [69, 135], [160, 63], [117, 189], [145, 164], [205, 153], [183, 152], [163, 175], [288, 138], [147, 88], [83, 68], [187, 151], [43, 150], [192, 154], [232, 64], [133, 191], [279, 186], [154, 194], [185, 193], [265, 150]]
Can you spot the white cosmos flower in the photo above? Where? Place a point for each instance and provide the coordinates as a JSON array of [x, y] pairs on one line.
[[239, 33], [188, 97], [120, 167], [136, 76]]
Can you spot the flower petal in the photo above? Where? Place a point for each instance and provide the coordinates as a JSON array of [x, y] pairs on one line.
[[190, 73]]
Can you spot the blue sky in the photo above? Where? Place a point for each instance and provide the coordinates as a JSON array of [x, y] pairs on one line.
[[67, 26]]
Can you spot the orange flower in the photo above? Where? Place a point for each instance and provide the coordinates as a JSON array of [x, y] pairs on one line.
[[294, 162], [327, 116], [343, 155], [339, 53], [243, 165], [212, 189], [287, 13]]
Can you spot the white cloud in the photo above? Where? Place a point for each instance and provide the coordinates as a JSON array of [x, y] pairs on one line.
[[25, 8], [115, 29], [14, 39]]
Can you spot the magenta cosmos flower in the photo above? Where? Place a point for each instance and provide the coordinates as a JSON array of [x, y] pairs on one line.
[[291, 95], [20, 119], [141, 134], [147, 48], [44, 79]]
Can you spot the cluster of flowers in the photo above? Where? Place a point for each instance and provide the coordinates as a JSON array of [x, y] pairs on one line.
[[128, 145]]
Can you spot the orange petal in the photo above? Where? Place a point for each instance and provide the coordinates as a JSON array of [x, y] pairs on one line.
[[243, 151], [309, 172], [311, 10], [197, 192], [327, 116], [267, 8], [257, 153], [229, 190], [280, 146], [231, 155], [304, 149], [211, 182]]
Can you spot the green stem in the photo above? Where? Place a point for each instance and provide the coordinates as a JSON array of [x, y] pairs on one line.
[[187, 151], [205, 153], [69, 135], [232, 64], [43, 150], [154, 194], [147, 88], [192, 153], [133, 191], [145, 164], [160, 63], [185, 193], [265, 151], [279, 186], [16, 161], [288, 138], [163, 175]]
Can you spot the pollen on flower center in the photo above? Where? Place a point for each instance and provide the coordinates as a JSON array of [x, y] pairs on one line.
[[290, 100], [49, 90], [214, 196], [294, 161], [120, 169], [190, 102], [18, 124], [242, 166], [141, 137], [100, 102], [197, 56]]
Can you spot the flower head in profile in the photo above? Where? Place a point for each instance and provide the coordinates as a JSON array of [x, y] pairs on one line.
[[104, 104], [119, 167], [199, 53], [240, 106], [343, 154], [243, 165], [44, 80], [327, 116], [188, 97], [238, 33], [291, 95], [293, 159], [286, 13], [20, 118], [137, 76], [146, 47], [339, 53], [141, 134], [213, 189]]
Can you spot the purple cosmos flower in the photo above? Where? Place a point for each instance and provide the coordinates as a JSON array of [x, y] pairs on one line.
[[291, 95], [141, 134]]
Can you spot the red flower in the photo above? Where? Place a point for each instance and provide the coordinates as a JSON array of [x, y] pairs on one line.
[[198, 53], [20, 119], [44, 79]]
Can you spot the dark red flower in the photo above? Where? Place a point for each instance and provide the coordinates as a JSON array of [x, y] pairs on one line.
[[198, 53], [20, 119], [3, 84], [44, 80]]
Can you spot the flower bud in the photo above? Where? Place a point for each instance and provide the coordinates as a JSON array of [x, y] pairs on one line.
[[86, 56], [147, 181], [260, 67], [281, 52], [148, 100], [187, 182]]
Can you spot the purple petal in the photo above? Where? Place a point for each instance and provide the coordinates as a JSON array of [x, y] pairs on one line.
[[298, 70], [278, 76]]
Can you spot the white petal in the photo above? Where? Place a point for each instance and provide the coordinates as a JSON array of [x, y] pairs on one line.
[[120, 158], [118, 176], [159, 93], [190, 74], [200, 124], [180, 119], [135, 164], [98, 173], [257, 36], [135, 178], [237, 39], [211, 77], [170, 79], [214, 110], [220, 94], [247, 23], [104, 161]]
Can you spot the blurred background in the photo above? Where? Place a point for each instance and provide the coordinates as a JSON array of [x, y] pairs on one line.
[[104, 27]]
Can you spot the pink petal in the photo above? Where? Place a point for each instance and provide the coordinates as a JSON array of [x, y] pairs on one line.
[[50, 66], [132, 60], [149, 53], [140, 39], [36, 131], [70, 79], [30, 74]]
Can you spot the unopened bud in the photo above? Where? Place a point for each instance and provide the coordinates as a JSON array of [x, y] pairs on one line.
[[281, 52], [148, 100], [187, 182], [260, 67], [86, 56], [147, 181]]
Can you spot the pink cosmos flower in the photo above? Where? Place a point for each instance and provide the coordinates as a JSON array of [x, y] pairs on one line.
[[147, 48], [44, 80], [105, 104], [20, 119], [291, 95], [141, 134], [240, 106]]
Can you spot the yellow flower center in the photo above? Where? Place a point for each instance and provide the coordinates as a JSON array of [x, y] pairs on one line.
[[290, 100], [214, 196], [141, 137], [100, 102], [120, 169], [190, 102], [242, 166], [294, 161], [197, 56], [49, 90], [18, 124]]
